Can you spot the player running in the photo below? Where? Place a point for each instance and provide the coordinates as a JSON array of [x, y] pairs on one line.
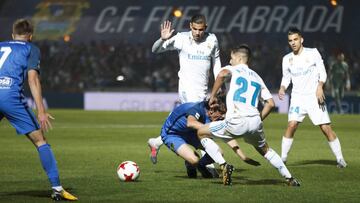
[[242, 119], [20, 59]]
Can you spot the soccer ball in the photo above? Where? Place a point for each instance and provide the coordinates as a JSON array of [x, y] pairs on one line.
[[128, 171]]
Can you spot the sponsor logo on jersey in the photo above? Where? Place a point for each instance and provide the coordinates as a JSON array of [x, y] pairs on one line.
[[5, 82]]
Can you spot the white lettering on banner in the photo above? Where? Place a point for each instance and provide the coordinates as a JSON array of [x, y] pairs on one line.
[[152, 18], [335, 20], [112, 11], [321, 10], [277, 15], [126, 18], [296, 19], [146, 101], [186, 17], [258, 18], [245, 19]]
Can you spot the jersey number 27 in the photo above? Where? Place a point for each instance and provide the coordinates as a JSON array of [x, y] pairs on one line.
[[243, 83]]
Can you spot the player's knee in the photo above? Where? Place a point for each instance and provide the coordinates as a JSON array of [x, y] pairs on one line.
[[37, 138], [292, 125], [193, 160]]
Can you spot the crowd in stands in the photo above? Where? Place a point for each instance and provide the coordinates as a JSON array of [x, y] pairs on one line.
[[77, 67]]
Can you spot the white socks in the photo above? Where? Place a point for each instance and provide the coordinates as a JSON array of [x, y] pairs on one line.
[[285, 147], [58, 188], [336, 149], [213, 150], [155, 142], [276, 161]]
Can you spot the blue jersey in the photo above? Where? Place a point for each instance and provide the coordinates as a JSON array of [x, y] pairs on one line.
[[16, 59], [176, 123]]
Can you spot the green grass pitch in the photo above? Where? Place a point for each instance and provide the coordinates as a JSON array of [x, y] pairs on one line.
[[89, 145]]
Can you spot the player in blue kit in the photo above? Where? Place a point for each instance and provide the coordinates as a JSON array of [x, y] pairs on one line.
[[20, 59], [179, 133]]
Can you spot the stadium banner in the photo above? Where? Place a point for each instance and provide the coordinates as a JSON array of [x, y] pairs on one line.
[[146, 101], [139, 21]]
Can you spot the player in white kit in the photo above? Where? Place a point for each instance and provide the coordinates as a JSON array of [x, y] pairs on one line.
[[243, 119], [198, 50], [304, 68]]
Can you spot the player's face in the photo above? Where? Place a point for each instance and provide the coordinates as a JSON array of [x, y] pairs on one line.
[[295, 42], [197, 31]]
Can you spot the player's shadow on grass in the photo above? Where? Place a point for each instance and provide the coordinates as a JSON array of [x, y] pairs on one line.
[[314, 162], [31, 193]]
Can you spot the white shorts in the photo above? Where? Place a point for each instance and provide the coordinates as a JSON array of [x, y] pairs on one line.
[[308, 104], [191, 95], [249, 128]]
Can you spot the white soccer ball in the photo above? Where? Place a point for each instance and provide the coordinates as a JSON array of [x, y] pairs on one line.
[[128, 171]]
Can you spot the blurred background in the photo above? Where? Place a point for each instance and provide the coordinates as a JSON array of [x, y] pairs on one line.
[[92, 49]]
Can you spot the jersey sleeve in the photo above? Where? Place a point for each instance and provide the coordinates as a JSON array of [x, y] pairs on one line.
[[216, 58], [197, 111], [320, 66], [172, 43], [286, 76], [33, 62], [265, 93]]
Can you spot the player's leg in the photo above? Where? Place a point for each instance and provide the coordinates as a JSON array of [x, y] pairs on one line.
[[287, 139], [296, 114], [320, 117], [216, 129], [191, 160], [24, 121], [49, 164], [154, 144], [334, 144], [259, 143]]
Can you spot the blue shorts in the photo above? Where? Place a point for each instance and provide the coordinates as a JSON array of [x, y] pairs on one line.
[[16, 111], [174, 141]]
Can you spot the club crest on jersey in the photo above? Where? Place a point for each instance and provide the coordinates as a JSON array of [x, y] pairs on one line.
[[291, 61], [5, 82]]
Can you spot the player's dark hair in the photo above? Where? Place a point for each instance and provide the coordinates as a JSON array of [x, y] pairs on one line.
[[23, 27], [242, 48], [198, 19], [294, 30]]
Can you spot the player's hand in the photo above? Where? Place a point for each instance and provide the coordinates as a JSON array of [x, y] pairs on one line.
[[166, 30], [213, 102], [252, 162], [321, 98], [281, 93], [44, 119]]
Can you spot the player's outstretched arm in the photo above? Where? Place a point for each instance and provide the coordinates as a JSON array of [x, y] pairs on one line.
[[166, 31], [35, 88], [269, 104], [234, 145]]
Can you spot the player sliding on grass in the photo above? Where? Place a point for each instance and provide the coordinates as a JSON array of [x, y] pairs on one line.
[[20, 59], [242, 119], [179, 131]]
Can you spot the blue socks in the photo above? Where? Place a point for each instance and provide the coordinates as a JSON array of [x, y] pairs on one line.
[[49, 164]]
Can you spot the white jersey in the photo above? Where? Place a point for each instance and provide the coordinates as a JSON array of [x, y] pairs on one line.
[[246, 87], [304, 70], [195, 60]]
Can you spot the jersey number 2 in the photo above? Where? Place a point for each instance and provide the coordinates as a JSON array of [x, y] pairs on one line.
[[7, 51], [243, 83]]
